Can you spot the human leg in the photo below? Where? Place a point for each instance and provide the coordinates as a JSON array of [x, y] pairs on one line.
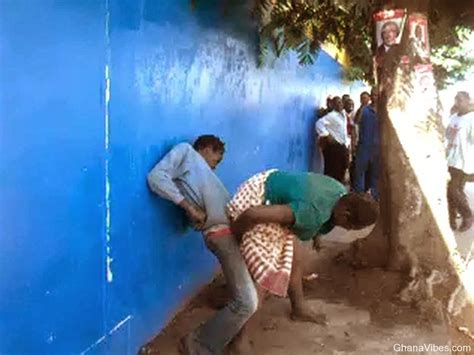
[[374, 171], [461, 200], [361, 165], [213, 336], [300, 311], [241, 344], [457, 200], [336, 160]]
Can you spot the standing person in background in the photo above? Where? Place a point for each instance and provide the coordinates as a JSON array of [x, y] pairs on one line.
[[334, 141], [323, 111], [317, 154], [460, 154], [364, 102], [350, 115], [344, 98], [367, 159], [351, 131]]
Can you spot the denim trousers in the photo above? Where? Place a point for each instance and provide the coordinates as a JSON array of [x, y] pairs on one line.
[[218, 331]]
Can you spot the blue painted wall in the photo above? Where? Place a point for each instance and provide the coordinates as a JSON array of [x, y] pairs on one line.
[[92, 94]]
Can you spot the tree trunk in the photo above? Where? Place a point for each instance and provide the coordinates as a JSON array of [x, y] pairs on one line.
[[413, 233]]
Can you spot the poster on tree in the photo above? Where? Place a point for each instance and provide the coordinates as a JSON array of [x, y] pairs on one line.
[[388, 29], [424, 78], [419, 48], [389, 26]]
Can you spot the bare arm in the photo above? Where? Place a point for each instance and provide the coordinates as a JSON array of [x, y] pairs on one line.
[[281, 214], [197, 216]]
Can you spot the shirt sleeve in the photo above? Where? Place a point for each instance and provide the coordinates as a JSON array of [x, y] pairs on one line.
[[321, 126], [161, 177], [471, 131], [307, 219]]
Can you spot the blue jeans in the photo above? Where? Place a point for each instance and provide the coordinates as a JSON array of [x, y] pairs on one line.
[[218, 331]]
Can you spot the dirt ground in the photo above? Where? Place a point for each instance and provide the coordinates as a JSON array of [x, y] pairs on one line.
[[364, 315]]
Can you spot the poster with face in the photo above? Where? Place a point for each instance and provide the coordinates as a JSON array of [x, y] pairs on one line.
[[388, 28], [418, 38]]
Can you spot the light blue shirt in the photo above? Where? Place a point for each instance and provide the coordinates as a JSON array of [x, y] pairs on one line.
[[184, 174]]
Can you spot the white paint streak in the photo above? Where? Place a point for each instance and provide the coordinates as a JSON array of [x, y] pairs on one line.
[[100, 340], [119, 324], [107, 74], [109, 333], [107, 98], [108, 260]]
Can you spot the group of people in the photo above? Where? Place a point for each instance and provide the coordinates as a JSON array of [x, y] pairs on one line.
[[350, 141], [255, 234]]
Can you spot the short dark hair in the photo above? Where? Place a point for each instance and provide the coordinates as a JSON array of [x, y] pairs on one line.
[[364, 93], [465, 94], [363, 209], [209, 140]]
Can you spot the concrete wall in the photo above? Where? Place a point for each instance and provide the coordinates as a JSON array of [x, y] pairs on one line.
[[92, 94]]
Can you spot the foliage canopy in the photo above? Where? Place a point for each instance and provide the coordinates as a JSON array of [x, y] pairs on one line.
[[304, 25]]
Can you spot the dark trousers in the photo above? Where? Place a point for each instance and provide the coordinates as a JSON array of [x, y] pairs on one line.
[[366, 171], [352, 174], [457, 198], [336, 160]]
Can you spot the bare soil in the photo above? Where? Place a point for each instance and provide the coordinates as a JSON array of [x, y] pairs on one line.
[[364, 314]]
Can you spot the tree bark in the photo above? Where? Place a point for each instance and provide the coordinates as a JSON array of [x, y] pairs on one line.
[[413, 234]]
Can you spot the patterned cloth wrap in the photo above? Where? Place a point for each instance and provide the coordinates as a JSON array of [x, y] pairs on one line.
[[267, 248]]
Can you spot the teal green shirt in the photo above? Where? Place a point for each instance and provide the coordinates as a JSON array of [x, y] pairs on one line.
[[312, 198]]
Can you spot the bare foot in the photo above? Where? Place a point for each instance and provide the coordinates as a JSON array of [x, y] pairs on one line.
[[307, 315]]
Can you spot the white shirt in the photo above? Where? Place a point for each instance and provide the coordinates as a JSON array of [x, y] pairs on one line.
[[334, 124], [460, 141]]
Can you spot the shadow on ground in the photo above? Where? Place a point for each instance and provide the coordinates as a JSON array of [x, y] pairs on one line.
[[364, 315]]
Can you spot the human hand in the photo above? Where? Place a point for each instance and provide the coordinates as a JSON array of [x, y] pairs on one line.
[[243, 224], [197, 216], [239, 227]]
